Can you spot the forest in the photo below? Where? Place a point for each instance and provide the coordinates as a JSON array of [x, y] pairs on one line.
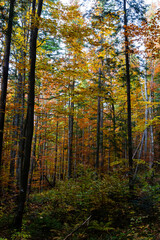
[[79, 120]]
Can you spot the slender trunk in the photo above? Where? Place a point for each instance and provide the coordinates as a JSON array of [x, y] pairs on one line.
[[55, 160], [151, 157], [13, 150], [70, 134], [98, 121], [146, 116], [21, 126], [33, 160], [16, 124], [83, 147], [29, 123], [63, 153], [114, 131], [4, 82], [76, 141], [101, 137], [89, 145], [109, 157], [128, 101]]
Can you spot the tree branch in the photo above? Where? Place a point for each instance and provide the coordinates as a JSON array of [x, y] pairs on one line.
[[86, 221]]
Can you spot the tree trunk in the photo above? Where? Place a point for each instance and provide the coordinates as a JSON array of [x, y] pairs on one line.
[[101, 137], [21, 126], [70, 134], [63, 151], [146, 116], [151, 157], [16, 124], [128, 101], [55, 160], [33, 160], [4, 82], [29, 123], [98, 121]]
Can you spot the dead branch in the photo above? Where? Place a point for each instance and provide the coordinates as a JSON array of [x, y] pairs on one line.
[[85, 222]]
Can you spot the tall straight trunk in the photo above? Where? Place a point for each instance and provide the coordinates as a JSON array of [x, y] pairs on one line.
[[109, 157], [63, 151], [70, 134], [13, 150], [21, 125], [16, 122], [76, 142], [146, 116], [114, 131], [29, 122], [4, 81], [21, 87], [83, 147], [33, 160], [128, 101], [98, 121], [151, 157], [56, 154], [101, 137]]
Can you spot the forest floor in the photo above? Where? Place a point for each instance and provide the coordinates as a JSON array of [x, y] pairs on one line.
[[88, 208]]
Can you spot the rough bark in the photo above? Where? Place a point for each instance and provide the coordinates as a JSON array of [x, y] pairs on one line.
[[151, 158], [29, 122], [55, 160], [128, 100], [98, 121], [4, 82], [70, 134], [146, 116], [101, 137]]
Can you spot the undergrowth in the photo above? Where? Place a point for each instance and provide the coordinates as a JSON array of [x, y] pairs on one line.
[[105, 200]]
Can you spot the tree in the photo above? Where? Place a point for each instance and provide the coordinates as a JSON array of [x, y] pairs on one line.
[[128, 100], [5, 80], [29, 121]]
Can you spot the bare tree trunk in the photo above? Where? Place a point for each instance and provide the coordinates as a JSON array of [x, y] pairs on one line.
[[146, 116], [33, 159], [101, 137], [114, 131], [98, 121], [29, 123], [21, 126], [128, 101], [55, 160], [75, 161], [70, 134], [151, 158], [14, 137], [4, 82], [63, 153]]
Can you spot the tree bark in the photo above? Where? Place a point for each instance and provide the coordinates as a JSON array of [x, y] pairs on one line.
[[98, 121], [4, 82], [56, 154], [146, 116], [29, 122], [128, 100], [151, 157], [101, 136], [70, 134]]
